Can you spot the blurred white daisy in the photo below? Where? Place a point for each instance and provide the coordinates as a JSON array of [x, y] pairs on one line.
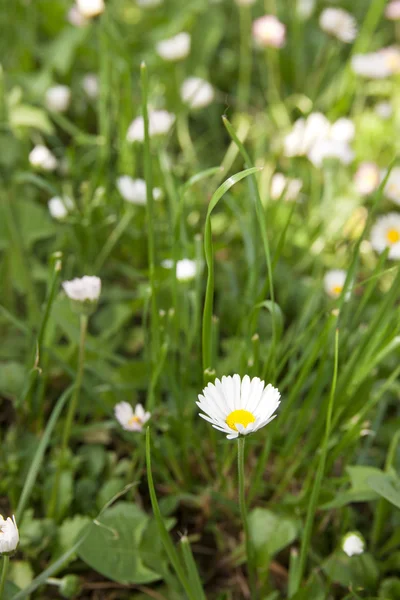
[[392, 10], [76, 18], [329, 148], [377, 65], [238, 407], [90, 85], [42, 158], [305, 8], [353, 544], [128, 419], [334, 281], [174, 48], [367, 178], [339, 23], [60, 207], [305, 133], [186, 269], [384, 110], [134, 190], [83, 289], [284, 187], [268, 31], [9, 536], [160, 122], [58, 98], [392, 187], [90, 8], [386, 234], [197, 92], [342, 130]]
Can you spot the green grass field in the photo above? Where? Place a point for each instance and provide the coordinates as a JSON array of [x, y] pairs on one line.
[[192, 191]]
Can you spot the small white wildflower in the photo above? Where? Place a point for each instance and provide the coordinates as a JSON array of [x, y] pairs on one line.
[[305, 133], [186, 269], [160, 122], [268, 31], [392, 187], [384, 110], [76, 18], [386, 234], [60, 207], [90, 8], [392, 10], [329, 148], [174, 48], [129, 420], [58, 98], [90, 85], [238, 406], [197, 92], [9, 536], [285, 187], [367, 178], [338, 23], [305, 8], [353, 544], [83, 292], [334, 281], [377, 65], [42, 158], [134, 190]]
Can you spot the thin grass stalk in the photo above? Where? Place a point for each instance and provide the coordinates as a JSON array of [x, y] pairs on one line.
[[313, 502], [245, 57], [39, 454], [261, 221], [191, 568], [164, 535], [154, 325], [208, 251]]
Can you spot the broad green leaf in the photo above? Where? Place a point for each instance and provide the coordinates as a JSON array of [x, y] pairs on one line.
[[270, 533], [112, 547], [24, 115], [353, 571], [387, 486], [390, 589]]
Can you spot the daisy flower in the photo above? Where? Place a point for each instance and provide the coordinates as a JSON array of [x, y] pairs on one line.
[[392, 187], [160, 122], [90, 8], [197, 92], [386, 234], [175, 48], [60, 207], [334, 282], [131, 420], [238, 406], [41, 158], [367, 178], [269, 32], [9, 536], [134, 190], [339, 23], [392, 10], [353, 544], [58, 98]]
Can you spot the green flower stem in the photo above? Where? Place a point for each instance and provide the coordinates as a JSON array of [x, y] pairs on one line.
[[243, 514], [70, 414], [6, 560]]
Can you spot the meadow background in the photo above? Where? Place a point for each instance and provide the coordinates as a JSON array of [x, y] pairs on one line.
[[291, 277]]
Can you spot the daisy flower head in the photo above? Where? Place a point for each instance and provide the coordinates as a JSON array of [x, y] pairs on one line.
[[392, 10], [353, 544], [334, 282], [197, 92], [339, 23], [135, 190], [174, 48], [90, 85], [160, 122], [285, 188], [392, 187], [269, 32], [129, 419], [90, 8], [84, 293], [58, 98], [9, 536], [367, 178], [238, 406], [386, 234], [60, 207], [41, 158]]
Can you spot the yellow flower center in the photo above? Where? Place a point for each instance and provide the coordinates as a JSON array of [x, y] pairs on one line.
[[244, 417], [133, 420], [337, 290], [393, 236]]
